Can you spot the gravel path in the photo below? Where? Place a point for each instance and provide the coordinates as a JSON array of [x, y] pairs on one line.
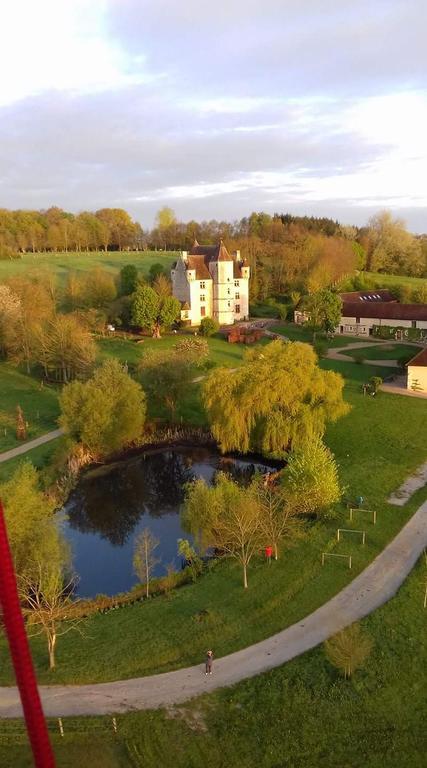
[[20, 449], [373, 587]]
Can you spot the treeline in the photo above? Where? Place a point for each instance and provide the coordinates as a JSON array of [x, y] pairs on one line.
[[287, 253]]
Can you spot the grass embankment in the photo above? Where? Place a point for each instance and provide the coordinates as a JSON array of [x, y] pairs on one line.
[[377, 445], [39, 404], [300, 715], [63, 263]]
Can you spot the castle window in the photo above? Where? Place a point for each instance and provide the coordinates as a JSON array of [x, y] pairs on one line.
[[202, 297], [202, 311], [236, 283], [229, 303], [228, 291], [202, 284], [237, 295], [237, 309]]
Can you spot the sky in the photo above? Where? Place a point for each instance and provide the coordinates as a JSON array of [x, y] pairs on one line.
[[314, 107]]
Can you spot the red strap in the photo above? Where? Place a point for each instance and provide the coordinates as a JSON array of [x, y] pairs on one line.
[[21, 657]]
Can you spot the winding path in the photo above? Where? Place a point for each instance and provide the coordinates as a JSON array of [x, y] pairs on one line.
[[373, 587], [25, 447]]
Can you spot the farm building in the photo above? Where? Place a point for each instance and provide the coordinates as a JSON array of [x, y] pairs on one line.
[[417, 372]]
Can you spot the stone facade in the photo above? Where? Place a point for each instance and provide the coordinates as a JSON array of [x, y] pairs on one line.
[[209, 282]]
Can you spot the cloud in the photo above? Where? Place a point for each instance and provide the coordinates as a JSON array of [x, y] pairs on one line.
[[307, 106]]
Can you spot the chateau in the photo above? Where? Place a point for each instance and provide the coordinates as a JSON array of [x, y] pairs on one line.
[[209, 282]]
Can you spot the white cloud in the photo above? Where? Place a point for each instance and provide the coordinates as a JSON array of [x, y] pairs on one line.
[[61, 45]]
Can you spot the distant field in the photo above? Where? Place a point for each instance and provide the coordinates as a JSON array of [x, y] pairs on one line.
[[386, 280], [63, 263]]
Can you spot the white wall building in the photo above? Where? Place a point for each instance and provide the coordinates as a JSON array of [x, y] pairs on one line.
[[209, 282], [417, 372]]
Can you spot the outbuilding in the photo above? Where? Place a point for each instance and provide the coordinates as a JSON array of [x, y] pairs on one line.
[[417, 372]]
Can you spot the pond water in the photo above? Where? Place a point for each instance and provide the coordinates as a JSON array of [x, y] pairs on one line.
[[113, 503]]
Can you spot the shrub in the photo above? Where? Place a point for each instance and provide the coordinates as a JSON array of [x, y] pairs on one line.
[[208, 326], [348, 649]]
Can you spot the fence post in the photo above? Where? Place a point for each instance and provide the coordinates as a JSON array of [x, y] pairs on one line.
[[61, 727]]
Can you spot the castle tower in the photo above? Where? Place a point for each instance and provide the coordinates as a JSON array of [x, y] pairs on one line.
[[221, 268]]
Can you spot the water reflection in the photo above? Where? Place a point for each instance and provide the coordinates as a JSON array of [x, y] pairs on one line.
[[113, 503]]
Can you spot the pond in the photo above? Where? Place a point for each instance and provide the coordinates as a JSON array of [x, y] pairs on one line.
[[113, 503]]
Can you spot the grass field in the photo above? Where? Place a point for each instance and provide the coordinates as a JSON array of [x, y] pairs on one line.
[[383, 351], [374, 454], [387, 280], [301, 715], [63, 263], [296, 332], [40, 405]]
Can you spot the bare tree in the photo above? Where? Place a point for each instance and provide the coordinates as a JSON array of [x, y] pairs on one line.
[[280, 520], [348, 649], [46, 595], [144, 560]]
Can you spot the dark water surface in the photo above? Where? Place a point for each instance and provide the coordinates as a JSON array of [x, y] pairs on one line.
[[113, 503]]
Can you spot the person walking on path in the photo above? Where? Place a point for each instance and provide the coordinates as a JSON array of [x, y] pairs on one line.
[[209, 662]]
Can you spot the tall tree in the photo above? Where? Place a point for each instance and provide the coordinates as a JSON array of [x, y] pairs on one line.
[[324, 309], [277, 400], [151, 311], [311, 483], [105, 413], [226, 517], [144, 560], [280, 520]]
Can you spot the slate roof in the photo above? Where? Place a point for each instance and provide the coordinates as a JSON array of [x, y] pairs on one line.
[[211, 252], [385, 310], [373, 295]]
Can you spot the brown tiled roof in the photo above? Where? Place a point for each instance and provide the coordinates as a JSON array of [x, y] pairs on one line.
[[420, 358], [198, 263], [211, 252], [372, 295], [185, 305], [383, 310], [237, 270]]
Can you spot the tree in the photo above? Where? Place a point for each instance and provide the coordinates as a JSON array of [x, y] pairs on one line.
[[165, 217], [163, 286], [65, 348], [348, 649], [310, 482], [324, 309], [209, 326], [155, 270], [277, 400], [392, 248], [151, 311], [46, 594], [105, 413], [144, 560], [32, 529], [190, 557], [167, 374], [226, 517], [128, 279], [280, 520], [98, 288], [10, 306]]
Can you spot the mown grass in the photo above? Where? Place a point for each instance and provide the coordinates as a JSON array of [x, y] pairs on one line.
[[296, 332], [39, 404], [386, 280], [63, 263], [383, 351], [300, 715], [376, 445]]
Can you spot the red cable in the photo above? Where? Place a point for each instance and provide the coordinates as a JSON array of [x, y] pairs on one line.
[[21, 657]]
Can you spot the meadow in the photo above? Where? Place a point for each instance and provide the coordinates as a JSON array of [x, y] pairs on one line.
[[374, 454], [61, 264], [300, 715]]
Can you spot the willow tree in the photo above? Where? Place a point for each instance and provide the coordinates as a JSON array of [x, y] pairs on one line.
[[279, 399]]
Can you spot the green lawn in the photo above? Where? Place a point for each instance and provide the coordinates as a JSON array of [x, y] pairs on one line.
[[63, 263], [387, 280], [375, 453], [301, 715], [383, 351], [40, 405], [296, 332]]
